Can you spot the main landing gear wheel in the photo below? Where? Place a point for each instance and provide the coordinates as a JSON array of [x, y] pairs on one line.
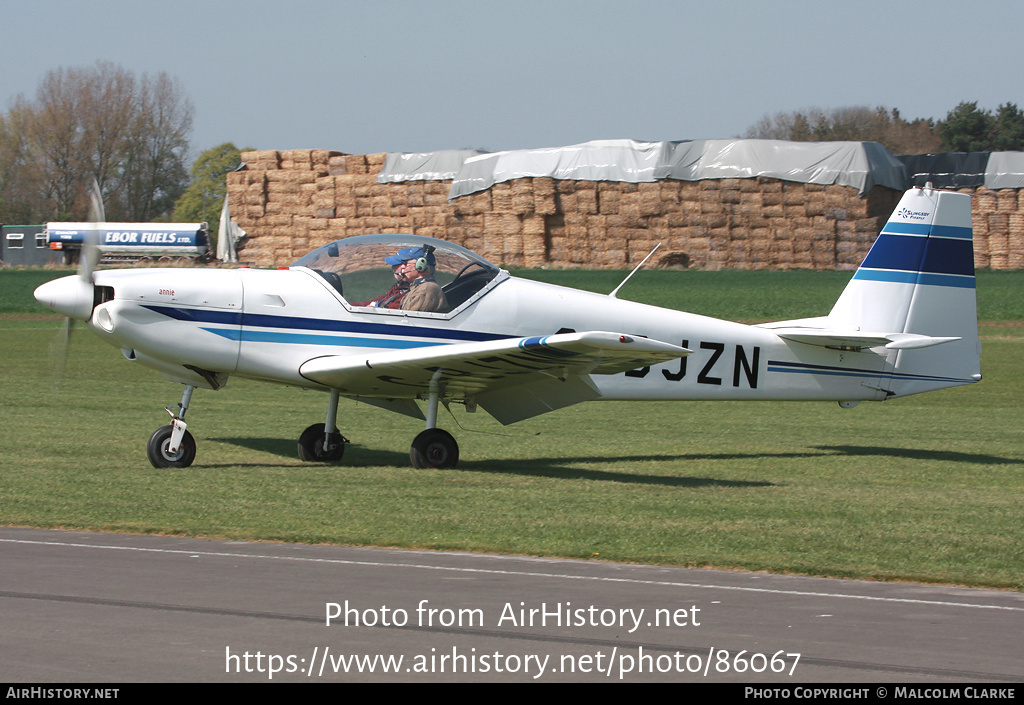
[[159, 455], [311, 445], [434, 448]]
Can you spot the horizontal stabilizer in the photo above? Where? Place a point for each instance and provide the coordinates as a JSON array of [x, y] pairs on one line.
[[857, 340]]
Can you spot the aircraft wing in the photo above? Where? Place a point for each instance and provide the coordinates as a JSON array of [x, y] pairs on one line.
[[512, 378]]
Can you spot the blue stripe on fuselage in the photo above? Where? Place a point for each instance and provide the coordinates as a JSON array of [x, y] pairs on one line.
[[263, 336], [311, 331]]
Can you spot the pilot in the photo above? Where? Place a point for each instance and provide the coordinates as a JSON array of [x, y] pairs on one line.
[[415, 288], [418, 265]]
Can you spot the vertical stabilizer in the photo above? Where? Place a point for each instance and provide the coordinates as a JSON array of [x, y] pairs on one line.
[[918, 279]]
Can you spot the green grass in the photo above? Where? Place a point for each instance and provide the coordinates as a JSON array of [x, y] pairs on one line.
[[924, 489]]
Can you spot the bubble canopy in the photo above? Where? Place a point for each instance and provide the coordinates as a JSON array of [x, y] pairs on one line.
[[356, 266]]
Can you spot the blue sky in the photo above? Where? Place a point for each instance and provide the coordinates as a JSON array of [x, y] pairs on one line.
[[409, 76]]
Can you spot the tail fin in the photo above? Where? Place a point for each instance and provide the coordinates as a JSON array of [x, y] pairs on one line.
[[916, 286]]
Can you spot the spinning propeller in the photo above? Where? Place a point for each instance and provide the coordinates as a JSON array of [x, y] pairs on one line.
[[75, 296]]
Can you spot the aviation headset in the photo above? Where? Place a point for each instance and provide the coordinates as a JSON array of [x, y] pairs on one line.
[[423, 263]]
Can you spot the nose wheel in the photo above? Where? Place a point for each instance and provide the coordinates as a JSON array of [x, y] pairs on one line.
[[159, 449], [172, 446]]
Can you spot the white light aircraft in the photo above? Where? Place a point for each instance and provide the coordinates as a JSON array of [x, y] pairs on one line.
[[905, 324]]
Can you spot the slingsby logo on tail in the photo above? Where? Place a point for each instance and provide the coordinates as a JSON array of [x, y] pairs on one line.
[[410, 323]]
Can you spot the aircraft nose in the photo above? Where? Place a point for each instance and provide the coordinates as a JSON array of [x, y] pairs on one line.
[[68, 296]]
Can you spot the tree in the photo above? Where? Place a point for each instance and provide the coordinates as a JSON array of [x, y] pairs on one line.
[[1008, 132], [967, 128], [99, 122], [855, 123], [204, 197], [154, 174]]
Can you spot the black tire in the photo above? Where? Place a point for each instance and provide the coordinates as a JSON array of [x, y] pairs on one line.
[[434, 448], [311, 445], [157, 449]]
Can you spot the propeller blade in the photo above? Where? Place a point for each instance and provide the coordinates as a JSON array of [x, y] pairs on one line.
[[90, 255], [59, 351]]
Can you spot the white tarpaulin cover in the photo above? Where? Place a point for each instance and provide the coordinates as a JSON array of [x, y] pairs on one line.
[[1005, 170], [861, 165], [228, 236], [426, 166]]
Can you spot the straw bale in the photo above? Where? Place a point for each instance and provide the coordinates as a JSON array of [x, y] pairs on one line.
[[281, 177], [629, 208], [433, 200], [998, 222], [586, 200], [375, 162], [321, 157], [749, 211], [730, 195], [815, 204], [337, 164], [986, 201], [324, 199], [1016, 224], [608, 202], [477, 203], [297, 159], [263, 159], [566, 203], [544, 186], [794, 194], [712, 221], [1007, 200], [1016, 259], [650, 204], [711, 207], [554, 226], [730, 184], [363, 185], [982, 260], [689, 208], [503, 224], [658, 231], [544, 203], [252, 197], [355, 164], [522, 195], [979, 223], [501, 197]]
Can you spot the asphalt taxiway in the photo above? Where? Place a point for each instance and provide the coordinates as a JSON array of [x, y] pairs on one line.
[[84, 607]]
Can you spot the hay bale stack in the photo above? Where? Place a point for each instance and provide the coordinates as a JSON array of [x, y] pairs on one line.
[[295, 199]]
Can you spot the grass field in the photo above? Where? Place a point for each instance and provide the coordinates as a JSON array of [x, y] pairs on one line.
[[923, 489]]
